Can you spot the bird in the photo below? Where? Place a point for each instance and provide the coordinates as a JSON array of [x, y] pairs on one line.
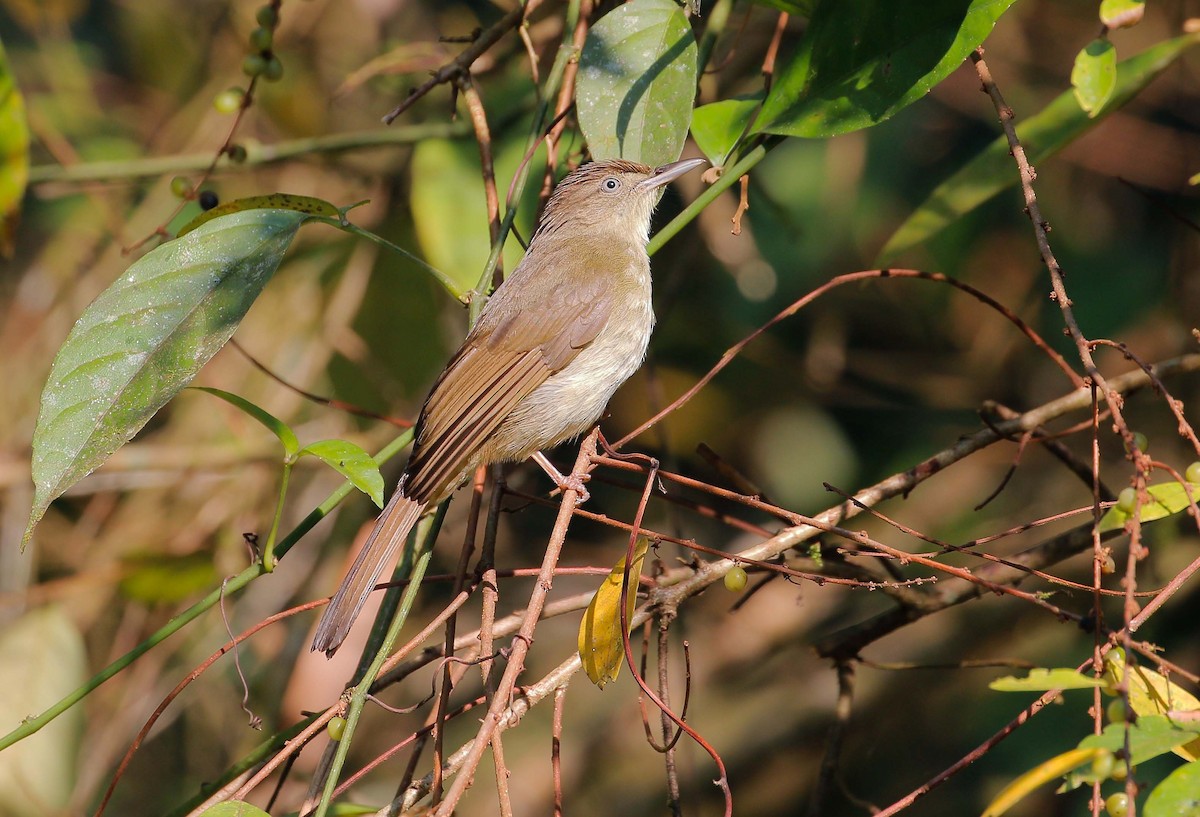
[[548, 350]]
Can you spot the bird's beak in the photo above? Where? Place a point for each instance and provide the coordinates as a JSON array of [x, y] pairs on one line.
[[665, 174]]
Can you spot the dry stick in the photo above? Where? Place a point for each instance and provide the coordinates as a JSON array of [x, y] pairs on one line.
[[1064, 455], [1176, 406], [520, 646], [560, 696], [833, 283], [461, 65], [483, 137], [674, 795], [566, 98], [833, 743]]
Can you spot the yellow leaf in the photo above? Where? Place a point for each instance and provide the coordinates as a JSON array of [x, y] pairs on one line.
[[1152, 694], [601, 642], [1041, 774]]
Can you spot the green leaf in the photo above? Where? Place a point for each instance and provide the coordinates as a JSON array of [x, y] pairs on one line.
[[145, 337], [601, 642], [234, 808], [351, 462], [860, 63], [1121, 13], [718, 127], [1151, 693], [796, 8], [158, 578], [42, 659], [1041, 679], [14, 155], [278, 427], [1095, 75], [1166, 499], [637, 81], [1151, 736], [1044, 134], [1178, 795], [273, 201]]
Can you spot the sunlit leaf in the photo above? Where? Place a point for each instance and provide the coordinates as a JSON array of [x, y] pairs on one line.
[[1178, 795], [1095, 75], [717, 127], [1042, 680], [14, 155], [276, 426], [1166, 499], [1121, 13], [601, 642], [1151, 736], [860, 63], [233, 808], [1152, 694], [1038, 776], [1042, 135], [353, 463], [145, 337], [637, 80], [160, 578], [42, 658], [274, 201]]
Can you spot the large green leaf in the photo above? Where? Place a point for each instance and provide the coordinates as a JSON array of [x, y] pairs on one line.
[[14, 155], [1044, 134], [637, 81], [718, 126], [145, 338], [1178, 795], [861, 62]]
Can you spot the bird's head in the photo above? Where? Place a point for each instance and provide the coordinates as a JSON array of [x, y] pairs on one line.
[[610, 197]]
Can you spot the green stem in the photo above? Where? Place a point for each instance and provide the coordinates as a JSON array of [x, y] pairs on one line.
[[727, 180], [442, 278], [255, 154], [268, 554], [427, 531], [33, 724], [717, 19]]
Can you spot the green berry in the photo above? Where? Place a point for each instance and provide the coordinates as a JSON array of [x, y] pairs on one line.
[[1116, 711], [1140, 442], [1108, 566], [1127, 500], [181, 187], [267, 17], [1120, 770], [260, 39], [236, 153], [228, 101], [336, 728], [274, 69], [735, 579], [254, 65], [1117, 805], [1102, 765], [1192, 474]]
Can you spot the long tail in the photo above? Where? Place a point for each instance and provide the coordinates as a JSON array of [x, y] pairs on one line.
[[381, 549]]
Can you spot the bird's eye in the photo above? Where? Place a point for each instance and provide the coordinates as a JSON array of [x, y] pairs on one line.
[[611, 183]]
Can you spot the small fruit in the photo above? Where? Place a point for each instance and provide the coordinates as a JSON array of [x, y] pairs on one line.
[[336, 728], [1127, 500], [1102, 765], [207, 200], [735, 579], [181, 187], [267, 17], [1192, 474], [1117, 805], [254, 65], [1116, 711], [236, 153], [1140, 442], [274, 70], [1108, 566], [1120, 770], [229, 100], [260, 39]]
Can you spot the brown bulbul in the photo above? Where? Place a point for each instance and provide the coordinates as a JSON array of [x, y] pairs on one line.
[[550, 347]]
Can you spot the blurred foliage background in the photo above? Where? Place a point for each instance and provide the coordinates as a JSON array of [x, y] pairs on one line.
[[867, 381]]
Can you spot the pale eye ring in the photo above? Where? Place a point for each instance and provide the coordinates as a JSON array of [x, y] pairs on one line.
[[611, 184]]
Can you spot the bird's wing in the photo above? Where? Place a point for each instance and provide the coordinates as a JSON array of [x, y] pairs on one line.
[[523, 337]]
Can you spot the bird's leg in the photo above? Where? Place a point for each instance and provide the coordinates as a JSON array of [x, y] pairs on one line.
[[564, 482]]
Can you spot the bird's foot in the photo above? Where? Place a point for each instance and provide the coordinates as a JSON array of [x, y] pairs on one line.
[[564, 482]]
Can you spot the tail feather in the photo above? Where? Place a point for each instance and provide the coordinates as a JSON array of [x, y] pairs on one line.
[[381, 549]]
